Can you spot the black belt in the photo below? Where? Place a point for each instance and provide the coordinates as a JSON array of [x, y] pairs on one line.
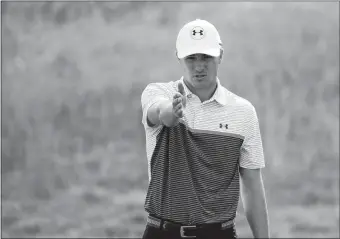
[[186, 231]]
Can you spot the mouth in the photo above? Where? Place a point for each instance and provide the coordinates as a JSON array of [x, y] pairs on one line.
[[199, 76]]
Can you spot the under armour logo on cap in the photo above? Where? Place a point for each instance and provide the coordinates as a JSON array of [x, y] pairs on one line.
[[200, 32], [197, 33]]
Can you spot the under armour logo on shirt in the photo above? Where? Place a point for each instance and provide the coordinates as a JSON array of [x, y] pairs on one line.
[[224, 125]]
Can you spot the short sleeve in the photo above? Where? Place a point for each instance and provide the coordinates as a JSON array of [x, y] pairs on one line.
[[252, 156], [153, 93]]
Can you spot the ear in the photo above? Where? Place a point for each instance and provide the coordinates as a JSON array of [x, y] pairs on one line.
[[221, 55], [177, 55]]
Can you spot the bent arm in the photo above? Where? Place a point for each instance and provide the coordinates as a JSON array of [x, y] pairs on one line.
[[254, 201]]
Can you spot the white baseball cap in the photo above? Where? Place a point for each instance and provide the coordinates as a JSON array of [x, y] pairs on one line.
[[198, 36]]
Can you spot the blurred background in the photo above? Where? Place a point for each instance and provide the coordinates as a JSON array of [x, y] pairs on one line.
[[73, 146]]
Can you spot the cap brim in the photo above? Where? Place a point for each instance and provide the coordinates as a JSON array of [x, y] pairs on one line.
[[211, 52]]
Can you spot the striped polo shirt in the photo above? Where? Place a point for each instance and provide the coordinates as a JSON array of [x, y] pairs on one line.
[[193, 168]]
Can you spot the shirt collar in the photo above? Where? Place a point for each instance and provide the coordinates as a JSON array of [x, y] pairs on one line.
[[219, 94]]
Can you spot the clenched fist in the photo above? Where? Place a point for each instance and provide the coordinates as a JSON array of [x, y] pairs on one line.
[[179, 101]]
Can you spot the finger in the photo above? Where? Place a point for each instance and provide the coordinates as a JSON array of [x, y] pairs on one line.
[[181, 88], [175, 102], [177, 95], [178, 107], [184, 101], [178, 111]]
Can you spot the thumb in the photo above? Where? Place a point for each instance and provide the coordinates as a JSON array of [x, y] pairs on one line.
[[181, 88]]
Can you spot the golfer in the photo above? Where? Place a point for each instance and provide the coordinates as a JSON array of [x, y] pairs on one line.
[[201, 141]]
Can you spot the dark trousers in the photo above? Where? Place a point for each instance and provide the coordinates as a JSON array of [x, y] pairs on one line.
[[155, 233]]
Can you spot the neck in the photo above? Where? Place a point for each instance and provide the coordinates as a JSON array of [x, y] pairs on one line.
[[202, 93]]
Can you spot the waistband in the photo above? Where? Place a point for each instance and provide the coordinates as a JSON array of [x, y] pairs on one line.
[[166, 224]]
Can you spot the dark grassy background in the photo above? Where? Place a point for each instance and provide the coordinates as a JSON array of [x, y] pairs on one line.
[[73, 146]]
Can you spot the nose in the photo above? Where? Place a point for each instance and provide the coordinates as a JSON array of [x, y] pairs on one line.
[[199, 66]]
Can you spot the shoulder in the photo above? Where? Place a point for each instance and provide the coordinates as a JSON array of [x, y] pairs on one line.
[[238, 102], [243, 108], [166, 87]]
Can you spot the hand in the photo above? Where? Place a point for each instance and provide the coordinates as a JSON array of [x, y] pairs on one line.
[[179, 101]]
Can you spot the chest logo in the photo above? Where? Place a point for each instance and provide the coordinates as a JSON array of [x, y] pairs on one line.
[[224, 126]]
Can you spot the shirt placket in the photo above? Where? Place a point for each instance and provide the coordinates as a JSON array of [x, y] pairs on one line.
[[197, 113], [192, 102]]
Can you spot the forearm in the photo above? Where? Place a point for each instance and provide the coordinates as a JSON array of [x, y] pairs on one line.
[[257, 215], [255, 206]]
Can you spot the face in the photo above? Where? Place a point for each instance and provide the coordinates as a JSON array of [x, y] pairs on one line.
[[200, 70]]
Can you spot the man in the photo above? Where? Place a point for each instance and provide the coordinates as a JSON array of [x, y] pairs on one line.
[[201, 139]]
